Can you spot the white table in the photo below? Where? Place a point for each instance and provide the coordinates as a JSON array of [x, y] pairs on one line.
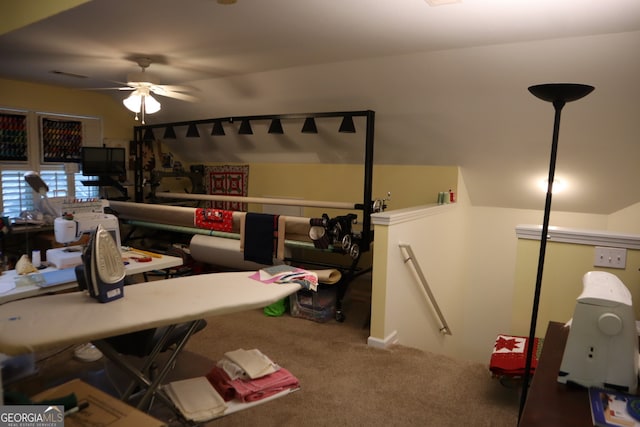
[[7, 279]]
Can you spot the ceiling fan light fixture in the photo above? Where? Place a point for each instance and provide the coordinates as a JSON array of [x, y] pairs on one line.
[[141, 102], [138, 99], [133, 102], [151, 105]]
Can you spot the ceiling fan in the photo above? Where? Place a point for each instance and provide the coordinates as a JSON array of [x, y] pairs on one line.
[[143, 84]]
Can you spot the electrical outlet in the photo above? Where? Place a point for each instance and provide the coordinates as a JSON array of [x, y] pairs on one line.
[[610, 257]]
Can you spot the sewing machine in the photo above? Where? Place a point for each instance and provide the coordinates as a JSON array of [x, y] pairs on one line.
[[602, 347], [70, 228]]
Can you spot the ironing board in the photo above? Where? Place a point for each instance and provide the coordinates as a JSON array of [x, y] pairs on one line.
[[40, 323], [64, 319]]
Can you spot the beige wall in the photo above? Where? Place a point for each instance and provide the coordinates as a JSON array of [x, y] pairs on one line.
[[486, 280], [625, 220], [565, 264], [408, 185], [117, 122], [400, 309], [493, 249]]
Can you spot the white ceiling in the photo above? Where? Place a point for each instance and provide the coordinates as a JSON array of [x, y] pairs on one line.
[[448, 83]]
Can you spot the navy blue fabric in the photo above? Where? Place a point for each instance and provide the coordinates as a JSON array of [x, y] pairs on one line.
[[260, 237]]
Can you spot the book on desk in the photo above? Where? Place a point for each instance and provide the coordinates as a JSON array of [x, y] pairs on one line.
[[612, 408]]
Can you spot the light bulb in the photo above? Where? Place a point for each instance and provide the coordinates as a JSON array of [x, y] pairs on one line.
[[133, 102], [151, 105]]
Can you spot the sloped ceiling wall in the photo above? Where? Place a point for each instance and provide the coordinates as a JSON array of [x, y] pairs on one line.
[[468, 107]]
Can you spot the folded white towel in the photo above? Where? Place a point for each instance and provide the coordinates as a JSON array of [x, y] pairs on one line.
[[196, 399], [253, 362]]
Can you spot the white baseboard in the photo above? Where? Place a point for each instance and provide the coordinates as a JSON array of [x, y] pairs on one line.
[[390, 339]]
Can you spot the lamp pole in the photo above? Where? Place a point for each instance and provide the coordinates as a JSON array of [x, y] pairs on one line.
[[558, 94]]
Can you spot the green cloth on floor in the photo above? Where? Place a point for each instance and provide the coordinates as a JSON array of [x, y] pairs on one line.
[[278, 308]]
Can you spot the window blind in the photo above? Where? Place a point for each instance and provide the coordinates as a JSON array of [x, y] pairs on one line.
[[17, 196]]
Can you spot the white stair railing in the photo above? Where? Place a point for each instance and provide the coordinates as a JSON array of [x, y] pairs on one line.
[[410, 256]]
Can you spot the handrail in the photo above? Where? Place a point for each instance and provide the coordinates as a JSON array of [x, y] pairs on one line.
[[445, 330]]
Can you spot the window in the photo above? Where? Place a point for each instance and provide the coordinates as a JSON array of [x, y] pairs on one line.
[[17, 196], [35, 154], [16, 193], [56, 181], [82, 191]]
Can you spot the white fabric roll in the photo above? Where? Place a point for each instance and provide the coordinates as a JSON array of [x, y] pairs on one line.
[[220, 251], [163, 214]]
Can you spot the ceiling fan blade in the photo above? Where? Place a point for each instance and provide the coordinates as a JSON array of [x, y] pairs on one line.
[[108, 88], [181, 96], [160, 90], [175, 88]]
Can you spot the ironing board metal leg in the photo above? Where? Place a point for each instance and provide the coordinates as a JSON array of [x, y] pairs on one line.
[[139, 376], [193, 327], [149, 360]]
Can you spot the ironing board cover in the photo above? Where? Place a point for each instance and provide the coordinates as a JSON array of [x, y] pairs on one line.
[[39, 323], [509, 355]]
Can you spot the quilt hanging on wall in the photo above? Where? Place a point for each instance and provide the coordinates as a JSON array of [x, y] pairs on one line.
[[227, 180]]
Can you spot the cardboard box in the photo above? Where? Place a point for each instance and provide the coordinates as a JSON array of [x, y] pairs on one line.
[[103, 409]]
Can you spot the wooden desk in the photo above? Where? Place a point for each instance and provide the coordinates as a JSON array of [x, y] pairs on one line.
[[550, 403]]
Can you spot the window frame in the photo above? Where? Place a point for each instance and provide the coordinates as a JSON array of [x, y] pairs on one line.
[[92, 136]]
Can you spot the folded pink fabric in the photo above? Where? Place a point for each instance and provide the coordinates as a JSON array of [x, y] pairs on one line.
[[251, 390], [260, 388], [221, 382]]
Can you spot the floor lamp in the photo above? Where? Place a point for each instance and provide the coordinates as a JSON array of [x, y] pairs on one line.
[[558, 94]]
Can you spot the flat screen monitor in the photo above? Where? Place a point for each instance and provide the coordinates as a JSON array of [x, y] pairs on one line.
[[103, 161]]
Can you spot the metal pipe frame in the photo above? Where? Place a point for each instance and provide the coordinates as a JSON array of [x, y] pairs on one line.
[[367, 200]]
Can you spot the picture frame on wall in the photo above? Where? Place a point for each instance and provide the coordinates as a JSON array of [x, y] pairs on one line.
[[61, 140], [14, 141]]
